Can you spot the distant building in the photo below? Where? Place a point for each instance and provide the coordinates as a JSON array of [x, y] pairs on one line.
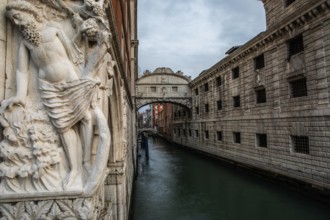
[[165, 120]]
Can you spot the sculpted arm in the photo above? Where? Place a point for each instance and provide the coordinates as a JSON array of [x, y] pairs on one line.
[[21, 80], [71, 49], [22, 72]]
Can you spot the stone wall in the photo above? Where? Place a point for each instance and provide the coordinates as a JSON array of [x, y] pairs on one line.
[[283, 116]]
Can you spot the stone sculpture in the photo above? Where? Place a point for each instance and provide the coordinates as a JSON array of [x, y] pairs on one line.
[[53, 121]]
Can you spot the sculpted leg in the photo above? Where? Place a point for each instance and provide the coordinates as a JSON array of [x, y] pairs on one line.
[[86, 131], [70, 143]]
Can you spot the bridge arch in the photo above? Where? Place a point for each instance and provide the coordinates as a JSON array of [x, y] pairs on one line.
[[163, 86]]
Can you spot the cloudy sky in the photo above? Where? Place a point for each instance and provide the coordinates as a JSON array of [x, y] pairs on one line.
[[192, 35]]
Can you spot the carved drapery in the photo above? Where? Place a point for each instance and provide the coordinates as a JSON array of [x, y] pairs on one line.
[[56, 137]]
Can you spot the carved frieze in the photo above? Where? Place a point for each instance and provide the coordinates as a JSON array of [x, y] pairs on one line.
[[56, 138]]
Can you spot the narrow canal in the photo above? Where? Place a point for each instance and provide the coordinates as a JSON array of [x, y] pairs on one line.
[[180, 185]]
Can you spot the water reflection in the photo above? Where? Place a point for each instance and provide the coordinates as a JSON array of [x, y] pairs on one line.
[[180, 185]]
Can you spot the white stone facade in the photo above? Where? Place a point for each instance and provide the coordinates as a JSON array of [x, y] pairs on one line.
[[282, 98]]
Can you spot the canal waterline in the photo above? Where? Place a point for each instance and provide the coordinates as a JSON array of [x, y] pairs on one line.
[[175, 184]]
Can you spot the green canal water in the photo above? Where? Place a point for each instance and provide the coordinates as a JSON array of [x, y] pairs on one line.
[[175, 184]]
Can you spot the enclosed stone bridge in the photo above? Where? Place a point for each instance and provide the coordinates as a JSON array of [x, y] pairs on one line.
[[163, 86]]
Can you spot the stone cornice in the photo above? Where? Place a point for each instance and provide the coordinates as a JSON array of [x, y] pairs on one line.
[[263, 39]]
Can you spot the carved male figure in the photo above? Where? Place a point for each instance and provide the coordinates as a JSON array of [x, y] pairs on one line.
[[66, 97]]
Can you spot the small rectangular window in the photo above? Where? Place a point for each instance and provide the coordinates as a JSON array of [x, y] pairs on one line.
[[174, 130], [261, 95], [206, 134], [196, 133], [197, 110], [196, 91], [288, 2], [295, 45], [175, 89], [179, 113], [236, 101], [153, 89], [218, 81], [219, 104], [298, 87], [259, 62], [235, 73], [178, 132], [261, 140], [237, 137], [219, 135], [207, 108], [206, 87], [189, 132], [184, 132], [300, 144]]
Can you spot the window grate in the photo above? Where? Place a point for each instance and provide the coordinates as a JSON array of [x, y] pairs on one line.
[[235, 73], [219, 104], [219, 135], [300, 144], [206, 87], [197, 110], [237, 101], [218, 81], [237, 137], [259, 62], [261, 140], [298, 88], [295, 45], [196, 91], [207, 108], [206, 134], [261, 95]]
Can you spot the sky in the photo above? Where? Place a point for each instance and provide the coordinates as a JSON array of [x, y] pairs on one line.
[[193, 35]]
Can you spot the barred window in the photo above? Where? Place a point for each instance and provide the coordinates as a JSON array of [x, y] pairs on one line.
[[197, 110], [298, 87], [174, 88], [235, 73], [259, 62], [196, 91], [295, 45], [196, 133], [207, 108], [288, 2], [153, 89], [218, 81], [237, 137], [236, 101], [206, 87], [206, 134], [219, 135], [261, 95], [300, 144], [261, 140], [219, 104]]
